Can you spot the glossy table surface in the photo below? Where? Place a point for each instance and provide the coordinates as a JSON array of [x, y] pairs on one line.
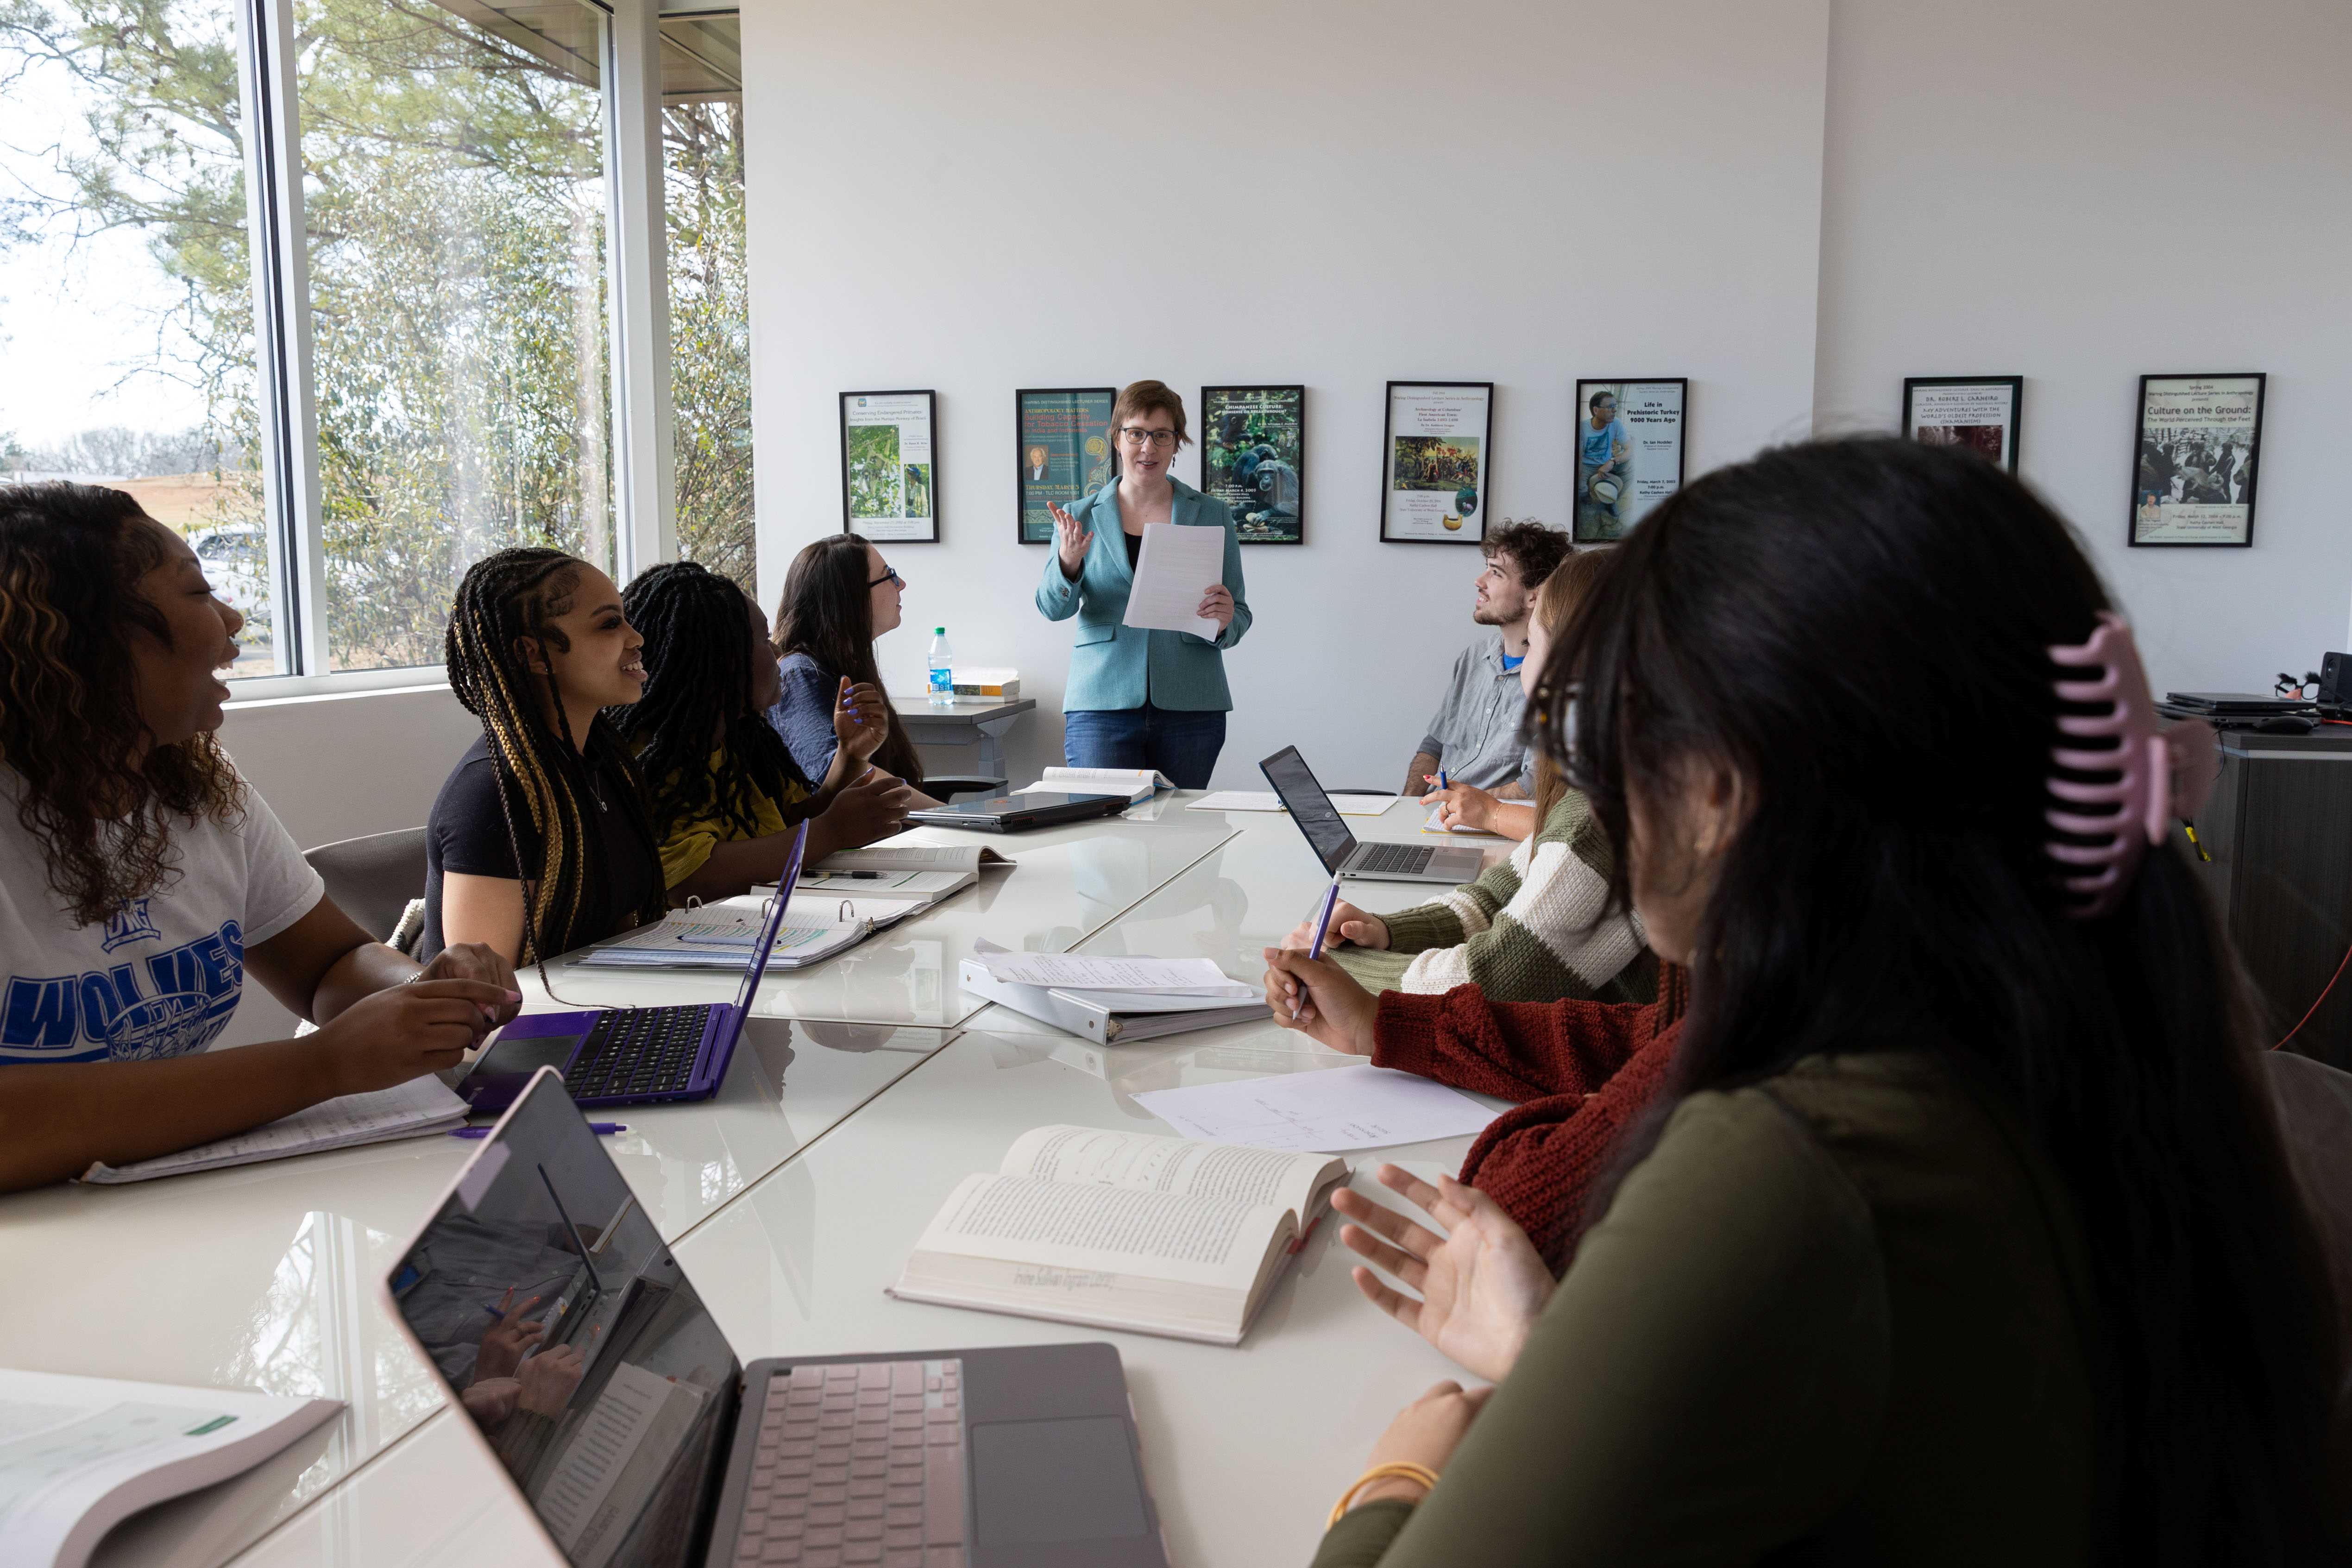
[[793, 1196]]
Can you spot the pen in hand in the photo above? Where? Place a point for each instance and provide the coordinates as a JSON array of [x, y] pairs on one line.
[[1322, 925]]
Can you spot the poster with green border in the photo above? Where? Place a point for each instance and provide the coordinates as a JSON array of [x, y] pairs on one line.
[[1253, 457]]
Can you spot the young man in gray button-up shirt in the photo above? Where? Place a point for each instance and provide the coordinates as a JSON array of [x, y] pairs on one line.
[[1476, 735]]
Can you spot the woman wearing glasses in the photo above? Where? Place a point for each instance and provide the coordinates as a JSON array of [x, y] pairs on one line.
[[839, 595], [1139, 698]]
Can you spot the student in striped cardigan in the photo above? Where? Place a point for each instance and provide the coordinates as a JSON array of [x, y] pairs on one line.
[[1534, 928]]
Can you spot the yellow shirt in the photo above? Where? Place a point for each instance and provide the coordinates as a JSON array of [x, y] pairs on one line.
[[689, 844]]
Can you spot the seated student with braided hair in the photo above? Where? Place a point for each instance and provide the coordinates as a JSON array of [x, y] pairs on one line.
[[141, 881], [1535, 927], [538, 841], [725, 790]]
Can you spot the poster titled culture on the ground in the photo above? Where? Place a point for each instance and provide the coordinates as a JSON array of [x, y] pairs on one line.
[[1065, 451], [1252, 451], [1436, 453], [1628, 452], [2193, 481], [889, 479], [1978, 412]]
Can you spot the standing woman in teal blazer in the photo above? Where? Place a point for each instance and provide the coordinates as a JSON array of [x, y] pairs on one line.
[[1139, 698]]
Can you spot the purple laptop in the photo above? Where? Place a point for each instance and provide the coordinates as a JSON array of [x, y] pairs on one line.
[[632, 1056]]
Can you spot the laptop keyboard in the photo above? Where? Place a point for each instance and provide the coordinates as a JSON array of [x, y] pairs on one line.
[[1390, 857], [638, 1051], [858, 1463]]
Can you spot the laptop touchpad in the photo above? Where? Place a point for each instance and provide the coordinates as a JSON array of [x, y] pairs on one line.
[[1039, 1481], [524, 1054]]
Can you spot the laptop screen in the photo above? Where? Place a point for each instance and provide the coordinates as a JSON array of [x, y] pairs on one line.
[[1309, 807], [774, 924], [545, 1298]]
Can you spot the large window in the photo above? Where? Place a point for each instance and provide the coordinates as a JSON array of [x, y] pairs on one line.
[[345, 412], [454, 198], [709, 292], [126, 337]]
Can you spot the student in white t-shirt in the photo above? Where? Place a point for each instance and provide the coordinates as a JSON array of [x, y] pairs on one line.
[[141, 878]]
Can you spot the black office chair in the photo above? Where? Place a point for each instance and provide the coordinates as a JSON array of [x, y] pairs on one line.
[[371, 879]]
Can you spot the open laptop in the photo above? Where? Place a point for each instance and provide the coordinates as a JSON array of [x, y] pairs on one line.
[[1342, 854], [632, 1056], [1013, 813], [640, 1440]]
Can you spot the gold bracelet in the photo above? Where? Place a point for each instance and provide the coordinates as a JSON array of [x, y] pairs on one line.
[[1404, 1469]]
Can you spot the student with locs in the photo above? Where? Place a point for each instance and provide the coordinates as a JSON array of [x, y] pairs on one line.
[[1963, 1231], [141, 879], [1140, 698], [725, 791]]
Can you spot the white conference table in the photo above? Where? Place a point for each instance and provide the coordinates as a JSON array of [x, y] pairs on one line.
[[266, 1276]]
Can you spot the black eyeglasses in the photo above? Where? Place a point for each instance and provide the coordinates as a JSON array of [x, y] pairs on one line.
[[890, 576]]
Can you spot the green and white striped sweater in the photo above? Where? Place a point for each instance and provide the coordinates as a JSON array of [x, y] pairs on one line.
[[1524, 931]]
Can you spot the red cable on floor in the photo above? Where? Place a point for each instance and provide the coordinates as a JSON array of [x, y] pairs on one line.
[[2322, 996]]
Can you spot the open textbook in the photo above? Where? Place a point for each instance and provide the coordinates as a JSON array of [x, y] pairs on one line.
[[411, 1109], [1122, 1230], [79, 1455]]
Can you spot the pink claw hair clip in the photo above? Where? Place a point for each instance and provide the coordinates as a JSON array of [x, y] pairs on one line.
[[2161, 774]]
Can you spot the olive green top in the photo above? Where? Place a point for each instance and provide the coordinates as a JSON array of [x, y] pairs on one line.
[[1841, 1312]]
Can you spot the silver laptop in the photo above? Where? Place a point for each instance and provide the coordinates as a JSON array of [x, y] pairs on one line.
[[1343, 854], [639, 1439]]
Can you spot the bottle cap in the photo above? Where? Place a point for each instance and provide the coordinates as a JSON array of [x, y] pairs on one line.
[[939, 631]]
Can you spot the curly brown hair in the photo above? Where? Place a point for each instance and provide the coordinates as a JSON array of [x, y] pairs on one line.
[[71, 560]]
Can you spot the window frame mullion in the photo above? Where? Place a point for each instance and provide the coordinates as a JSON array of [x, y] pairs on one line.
[[644, 480], [281, 285]]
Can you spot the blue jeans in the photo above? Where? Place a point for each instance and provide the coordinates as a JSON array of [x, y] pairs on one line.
[[1184, 746]]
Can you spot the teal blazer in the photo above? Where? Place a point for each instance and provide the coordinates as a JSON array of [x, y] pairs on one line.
[[1116, 666]]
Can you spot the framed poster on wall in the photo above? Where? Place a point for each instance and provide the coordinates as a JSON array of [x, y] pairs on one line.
[[889, 472], [1981, 412], [1253, 455], [1064, 451], [1437, 449], [1628, 452], [2193, 479]]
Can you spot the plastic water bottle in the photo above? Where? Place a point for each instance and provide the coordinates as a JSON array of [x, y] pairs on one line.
[[942, 669]]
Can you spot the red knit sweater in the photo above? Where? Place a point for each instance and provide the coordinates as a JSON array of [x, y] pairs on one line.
[[1583, 1072]]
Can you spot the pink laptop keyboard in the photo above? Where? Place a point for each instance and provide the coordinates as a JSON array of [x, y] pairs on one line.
[[858, 1463]]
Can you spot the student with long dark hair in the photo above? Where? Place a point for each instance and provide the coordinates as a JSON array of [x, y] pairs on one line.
[[725, 791], [141, 881], [1964, 1231], [839, 595], [538, 841]]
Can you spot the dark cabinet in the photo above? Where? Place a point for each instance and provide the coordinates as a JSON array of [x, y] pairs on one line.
[[2279, 829]]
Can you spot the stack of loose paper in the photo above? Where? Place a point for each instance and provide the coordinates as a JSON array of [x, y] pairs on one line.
[[1329, 1110], [1138, 785], [411, 1109], [1140, 976], [1174, 571], [1111, 999]]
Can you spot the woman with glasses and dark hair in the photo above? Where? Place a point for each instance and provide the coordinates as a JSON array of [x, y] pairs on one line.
[[839, 595], [1962, 1229], [1139, 699]]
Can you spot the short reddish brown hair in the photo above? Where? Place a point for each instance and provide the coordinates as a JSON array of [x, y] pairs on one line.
[[1150, 397]]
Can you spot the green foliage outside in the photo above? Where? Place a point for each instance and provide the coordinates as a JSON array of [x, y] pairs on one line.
[[455, 208]]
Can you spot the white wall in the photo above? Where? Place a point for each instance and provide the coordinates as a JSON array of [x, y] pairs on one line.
[[2082, 193], [1036, 193]]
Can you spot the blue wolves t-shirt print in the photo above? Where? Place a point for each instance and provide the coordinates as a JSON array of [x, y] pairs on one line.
[[161, 975]]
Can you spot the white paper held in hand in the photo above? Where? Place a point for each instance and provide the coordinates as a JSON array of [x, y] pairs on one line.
[[1178, 565], [1329, 1110]]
